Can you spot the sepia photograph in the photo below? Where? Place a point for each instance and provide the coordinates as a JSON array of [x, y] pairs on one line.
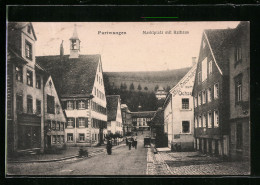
[[128, 98]]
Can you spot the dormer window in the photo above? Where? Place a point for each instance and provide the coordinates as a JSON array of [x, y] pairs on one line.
[[28, 50]]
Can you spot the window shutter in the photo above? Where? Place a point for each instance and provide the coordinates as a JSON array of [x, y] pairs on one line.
[[86, 104], [73, 123], [66, 124], [77, 104], [77, 122], [86, 122]]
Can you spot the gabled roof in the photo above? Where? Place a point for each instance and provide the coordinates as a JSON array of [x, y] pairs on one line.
[[143, 114], [112, 103], [215, 39], [21, 25], [72, 77]]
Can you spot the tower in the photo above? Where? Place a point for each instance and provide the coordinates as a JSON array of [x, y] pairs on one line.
[[74, 44]]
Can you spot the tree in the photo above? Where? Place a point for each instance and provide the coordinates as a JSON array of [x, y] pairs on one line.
[[121, 87], [125, 86], [139, 87], [156, 87], [146, 88], [132, 87]]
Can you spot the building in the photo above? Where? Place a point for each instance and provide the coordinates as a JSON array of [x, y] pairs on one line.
[[178, 113], [25, 120], [28, 108], [239, 86], [55, 118], [127, 119], [157, 129], [211, 93], [160, 93], [114, 116], [140, 120], [79, 82]]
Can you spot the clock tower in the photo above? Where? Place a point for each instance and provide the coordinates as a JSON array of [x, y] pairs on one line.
[[74, 44]]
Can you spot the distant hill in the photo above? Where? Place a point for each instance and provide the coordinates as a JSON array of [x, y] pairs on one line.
[[148, 80]]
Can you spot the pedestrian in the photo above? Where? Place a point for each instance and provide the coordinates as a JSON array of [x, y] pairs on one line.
[[135, 141], [129, 145], [109, 147]]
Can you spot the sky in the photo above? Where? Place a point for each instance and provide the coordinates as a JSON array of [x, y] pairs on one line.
[[133, 51]]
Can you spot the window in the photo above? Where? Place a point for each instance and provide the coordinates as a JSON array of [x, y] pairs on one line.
[[209, 120], [29, 104], [19, 73], [204, 122], [28, 50], [199, 77], [195, 102], [238, 88], [70, 105], [81, 122], [29, 75], [200, 120], [81, 137], [70, 122], [216, 118], [58, 139], [185, 127], [58, 126], [38, 107], [204, 69], [209, 95], [38, 82], [53, 125], [238, 54], [62, 139], [200, 98], [61, 126], [81, 105], [53, 139], [239, 136], [204, 96], [185, 103], [69, 137], [216, 91], [210, 67], [50, 104], [19, 103]]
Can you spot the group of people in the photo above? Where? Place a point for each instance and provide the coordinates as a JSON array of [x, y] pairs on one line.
[[132, 142]]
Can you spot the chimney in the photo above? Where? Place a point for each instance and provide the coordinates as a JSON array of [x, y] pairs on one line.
[[193, 61], [61, 49]]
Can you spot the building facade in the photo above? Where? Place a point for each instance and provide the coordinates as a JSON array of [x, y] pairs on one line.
[[114, 115], [160, 93], [178, 113], [211, 94], [140, 120], [239, 58], [25, 115], [127, 119], [79, 82]]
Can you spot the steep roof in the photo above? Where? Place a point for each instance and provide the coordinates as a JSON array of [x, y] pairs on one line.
[[112, 103], [21, 25], [216, 38], [72, 77], [143, 114]]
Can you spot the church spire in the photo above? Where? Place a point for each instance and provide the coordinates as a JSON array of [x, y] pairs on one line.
[[74, 44]]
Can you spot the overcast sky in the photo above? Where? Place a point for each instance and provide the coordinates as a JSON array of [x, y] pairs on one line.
[[133, 51]]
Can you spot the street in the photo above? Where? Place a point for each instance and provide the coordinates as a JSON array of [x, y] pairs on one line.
[[122, 162]]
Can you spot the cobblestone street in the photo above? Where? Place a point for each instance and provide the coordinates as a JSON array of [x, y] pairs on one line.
[[192, 163]]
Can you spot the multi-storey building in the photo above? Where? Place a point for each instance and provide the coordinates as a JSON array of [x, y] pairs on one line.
[[127, 119], [79, 82], [211, 94], [26, 92], [114, 116], [239, 86], [140, 119], [178, 113], [160, 93]]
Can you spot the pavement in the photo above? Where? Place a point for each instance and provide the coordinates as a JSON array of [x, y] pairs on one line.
[[64, 154], [193, 163]]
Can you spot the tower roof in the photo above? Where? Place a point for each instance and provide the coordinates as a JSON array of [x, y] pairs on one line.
[[75, 34]]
